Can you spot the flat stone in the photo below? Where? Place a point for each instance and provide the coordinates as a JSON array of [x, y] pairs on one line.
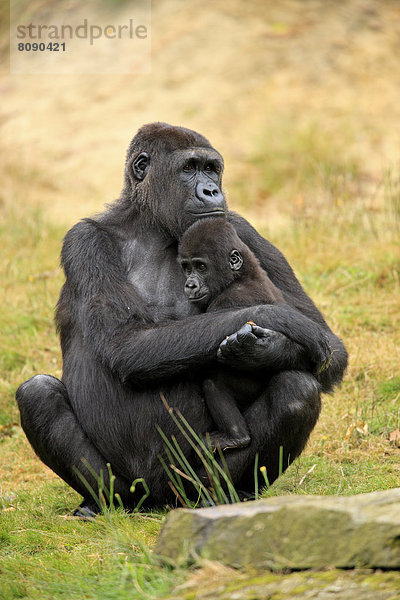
[[217, 582], [290, 532]]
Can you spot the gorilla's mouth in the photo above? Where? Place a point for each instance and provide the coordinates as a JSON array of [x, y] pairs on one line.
[[217, 211], [197, 298]]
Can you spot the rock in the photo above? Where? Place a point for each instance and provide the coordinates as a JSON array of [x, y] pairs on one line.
[[291, 532], [216, 582]]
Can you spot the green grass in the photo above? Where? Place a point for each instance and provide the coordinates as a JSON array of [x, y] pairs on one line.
[[342, 238], [45, 555]]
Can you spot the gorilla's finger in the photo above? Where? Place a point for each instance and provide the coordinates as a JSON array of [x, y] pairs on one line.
[[232, 342], [243, 337], [224, 352], [246, 338], [220, 355], [262, 332]]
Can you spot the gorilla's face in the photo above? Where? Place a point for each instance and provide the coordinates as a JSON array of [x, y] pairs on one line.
[[178, 179]]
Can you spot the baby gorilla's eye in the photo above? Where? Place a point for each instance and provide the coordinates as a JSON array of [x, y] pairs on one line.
[[202, 267]]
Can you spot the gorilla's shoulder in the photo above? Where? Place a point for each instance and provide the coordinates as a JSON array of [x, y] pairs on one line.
[[86, 232], [85, 229], [88, 241]]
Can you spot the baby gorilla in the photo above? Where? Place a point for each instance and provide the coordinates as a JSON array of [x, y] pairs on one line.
[[222, 272]]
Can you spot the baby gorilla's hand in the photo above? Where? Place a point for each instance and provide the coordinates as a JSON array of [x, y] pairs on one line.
[[252, 347]]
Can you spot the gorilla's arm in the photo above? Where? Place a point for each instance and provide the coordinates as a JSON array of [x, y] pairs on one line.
[[101, 305], [282, 275]]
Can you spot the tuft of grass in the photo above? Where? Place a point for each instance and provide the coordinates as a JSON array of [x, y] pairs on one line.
[[218, 490], [392, 194], [390, 389]]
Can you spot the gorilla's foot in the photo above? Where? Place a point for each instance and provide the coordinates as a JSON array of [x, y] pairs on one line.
[[87, 510]]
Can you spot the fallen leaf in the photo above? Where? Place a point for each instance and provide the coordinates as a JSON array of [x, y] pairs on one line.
[[360, 428], [394, 438]]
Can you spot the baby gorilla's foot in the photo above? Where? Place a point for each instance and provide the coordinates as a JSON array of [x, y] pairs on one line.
[[225, 442]]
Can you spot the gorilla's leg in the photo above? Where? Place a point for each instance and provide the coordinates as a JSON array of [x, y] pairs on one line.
[[232, 429], [280, 422], [58, 439]]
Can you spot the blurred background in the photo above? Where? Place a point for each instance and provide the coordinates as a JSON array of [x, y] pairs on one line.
[[302, 98]]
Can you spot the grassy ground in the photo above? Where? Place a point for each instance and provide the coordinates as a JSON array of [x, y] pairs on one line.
[[311, 149]]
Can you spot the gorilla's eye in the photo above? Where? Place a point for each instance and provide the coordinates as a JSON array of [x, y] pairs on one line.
[[189, 166], [212, 168], [201, 267]]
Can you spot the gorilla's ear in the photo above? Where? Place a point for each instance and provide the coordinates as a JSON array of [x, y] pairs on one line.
[[140, 166], [235, 260]]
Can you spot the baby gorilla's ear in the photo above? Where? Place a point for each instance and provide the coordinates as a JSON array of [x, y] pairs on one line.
[[235, 260]]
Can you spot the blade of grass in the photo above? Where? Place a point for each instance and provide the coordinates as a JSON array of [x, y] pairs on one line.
[[263, 471], [204, 454], [88, 486], [256, 477], [218, 469], [176, 483], [228, 479], [168, 448], [112, 481], [181, 459], [146, 491], [177, 494], [280, 471]]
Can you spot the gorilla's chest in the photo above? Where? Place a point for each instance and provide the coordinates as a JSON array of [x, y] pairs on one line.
[[157, 279]]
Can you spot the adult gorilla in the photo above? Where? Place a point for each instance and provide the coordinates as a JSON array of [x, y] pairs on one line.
[[127, 334]]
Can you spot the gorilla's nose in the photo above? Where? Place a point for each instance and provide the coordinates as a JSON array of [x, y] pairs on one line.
[[191, 286], [192, 289], [209, 193]]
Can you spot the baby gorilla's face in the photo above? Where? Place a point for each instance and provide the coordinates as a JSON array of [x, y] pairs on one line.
[[207, 277], [198, 272], [210, 256]]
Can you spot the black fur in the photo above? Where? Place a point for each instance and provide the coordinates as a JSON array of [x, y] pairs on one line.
[[127, 334]]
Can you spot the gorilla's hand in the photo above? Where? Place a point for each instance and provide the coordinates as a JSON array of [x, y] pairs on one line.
[[254, 347]]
